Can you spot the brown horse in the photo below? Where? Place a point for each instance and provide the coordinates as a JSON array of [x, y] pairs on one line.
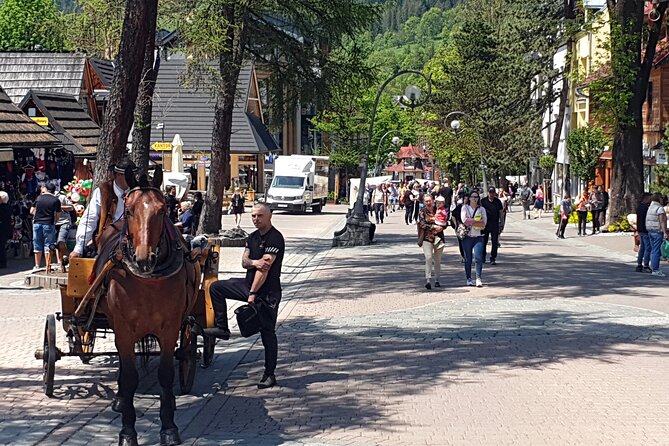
[[149, 293]]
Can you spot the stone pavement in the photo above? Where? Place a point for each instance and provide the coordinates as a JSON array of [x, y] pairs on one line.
[[565, 344]]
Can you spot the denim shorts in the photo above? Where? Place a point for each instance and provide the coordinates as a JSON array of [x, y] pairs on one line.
[[63, 231], [43, 237]]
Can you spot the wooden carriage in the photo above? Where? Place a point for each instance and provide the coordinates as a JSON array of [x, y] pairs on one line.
[[82, 330]]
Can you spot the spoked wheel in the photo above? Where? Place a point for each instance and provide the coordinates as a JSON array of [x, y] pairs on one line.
[[187, 357], [50, 354], [208, 351]]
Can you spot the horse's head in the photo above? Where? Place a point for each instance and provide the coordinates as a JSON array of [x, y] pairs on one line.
[[145, 210]]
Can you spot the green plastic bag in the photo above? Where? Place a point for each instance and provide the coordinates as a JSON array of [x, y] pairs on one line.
[[665, 249]]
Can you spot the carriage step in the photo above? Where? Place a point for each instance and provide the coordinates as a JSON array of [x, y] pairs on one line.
[[40, 279]]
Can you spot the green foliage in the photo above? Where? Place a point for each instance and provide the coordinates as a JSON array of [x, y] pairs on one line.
[[398, 12], [547, 163], [585, 145], [95, 27], [573, 217], [622, 225], [662, 183], [29, 25]]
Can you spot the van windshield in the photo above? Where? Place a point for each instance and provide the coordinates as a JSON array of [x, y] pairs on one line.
[[288, 182]]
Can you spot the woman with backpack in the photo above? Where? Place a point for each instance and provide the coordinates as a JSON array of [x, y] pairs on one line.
[[565, 213]]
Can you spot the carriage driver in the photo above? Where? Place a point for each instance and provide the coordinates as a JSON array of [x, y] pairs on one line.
[[106, 206], [262, 260]]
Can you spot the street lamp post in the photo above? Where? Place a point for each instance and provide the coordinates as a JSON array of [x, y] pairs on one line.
[[456, 130], [396, 140], [359, 230]]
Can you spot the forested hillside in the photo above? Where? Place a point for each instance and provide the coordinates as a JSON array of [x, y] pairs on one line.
[[397, 12]]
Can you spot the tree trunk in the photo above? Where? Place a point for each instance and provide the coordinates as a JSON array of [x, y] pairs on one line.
[[627, 175], [230, 61], [569, 14], [141, 134], [123, 93]]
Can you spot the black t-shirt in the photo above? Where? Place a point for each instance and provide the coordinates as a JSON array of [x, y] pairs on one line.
[[493, 210], [172, 207], [641, 213], [270, 243], [46, 207], [447, 193]]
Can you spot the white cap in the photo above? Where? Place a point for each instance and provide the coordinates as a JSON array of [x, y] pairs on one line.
[[440, 198]]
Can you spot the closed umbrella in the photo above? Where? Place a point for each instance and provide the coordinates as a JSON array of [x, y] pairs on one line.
[[177, 154]]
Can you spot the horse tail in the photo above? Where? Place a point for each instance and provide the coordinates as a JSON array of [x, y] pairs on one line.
[[146, 346]]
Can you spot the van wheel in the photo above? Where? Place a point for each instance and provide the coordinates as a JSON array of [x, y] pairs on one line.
[[317, 208]]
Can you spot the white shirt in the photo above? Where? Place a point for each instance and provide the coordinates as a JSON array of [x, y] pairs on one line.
[[91, 216]]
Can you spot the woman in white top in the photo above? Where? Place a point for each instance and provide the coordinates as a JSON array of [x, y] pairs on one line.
[[378, 199], [475, 218], [656, 226]]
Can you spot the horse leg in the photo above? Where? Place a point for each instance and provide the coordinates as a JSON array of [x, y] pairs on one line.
[[117, 401], [128, 380], [169, 433]]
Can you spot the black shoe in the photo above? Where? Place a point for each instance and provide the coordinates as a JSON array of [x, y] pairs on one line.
[[267, 381], [639, 269], [437, 284], [492, 262], [217, 332], [647, 269], [428, 286]]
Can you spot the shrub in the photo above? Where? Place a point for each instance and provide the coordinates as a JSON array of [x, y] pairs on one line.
[[573, 217]]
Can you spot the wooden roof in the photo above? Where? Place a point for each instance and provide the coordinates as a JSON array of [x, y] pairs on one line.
[[18, 130], [411, 151], [190, 112], [73, 126]]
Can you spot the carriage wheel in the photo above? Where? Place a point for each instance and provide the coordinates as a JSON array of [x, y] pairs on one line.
[[208, 351], [187, 358], [50, 354]]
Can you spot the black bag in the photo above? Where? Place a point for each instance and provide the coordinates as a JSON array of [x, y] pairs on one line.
[[248, 320]]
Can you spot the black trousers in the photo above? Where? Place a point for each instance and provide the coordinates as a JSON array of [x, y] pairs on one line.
[[582, 221], [562, 227], [238, 289], [408, 213], [3, 251], [595, 220], [494, 235]]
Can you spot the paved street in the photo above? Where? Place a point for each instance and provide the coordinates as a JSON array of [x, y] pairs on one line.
[[565, 344]]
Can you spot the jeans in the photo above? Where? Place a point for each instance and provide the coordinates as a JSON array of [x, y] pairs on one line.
[[43, 237], [595, 220], [238, 289], [476, 245], [379, 212], [643, 257], [562, 227], [494, 235], [656, 239], [432, 256], [582, 221], [408, 213]]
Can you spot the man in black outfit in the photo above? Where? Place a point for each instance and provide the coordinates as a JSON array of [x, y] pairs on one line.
[[494, 210], [262, 260], [447, 192]]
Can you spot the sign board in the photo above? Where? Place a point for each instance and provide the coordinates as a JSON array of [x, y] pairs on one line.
[[162, 146], [43, 121], [661, 157]]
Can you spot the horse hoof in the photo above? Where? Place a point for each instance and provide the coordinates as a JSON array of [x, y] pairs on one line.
[[117, 404], [170, 437], [127, 440]]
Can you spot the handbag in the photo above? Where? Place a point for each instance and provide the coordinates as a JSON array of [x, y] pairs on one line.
[[462, 231], [248, 320]]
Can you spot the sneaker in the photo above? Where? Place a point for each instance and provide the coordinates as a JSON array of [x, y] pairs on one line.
[[217, 332], [267, 381], [639, 269], [647, 269], [428, 286], [437, 284], [479, 283], [469, 282], [493, 262], [658, 273], [462, 260], [36, 268]]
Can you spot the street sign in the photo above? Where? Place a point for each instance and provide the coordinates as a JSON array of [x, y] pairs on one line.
[[162, 146], [43, 121], [661, 157]]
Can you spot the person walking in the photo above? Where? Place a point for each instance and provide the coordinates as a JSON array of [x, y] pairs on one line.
[[605, 207], [46, 212], [386, 196], [526, 200], [394, 197], [431, 239], [643, 256], [539, 202], [656, 226], [6, 228], [474, 217], [172, 204], [456, 219], [495, 213], [237, 206], [198, 204], [262, 259], [417, 198], [565, 212], [378, 200], [408, 205], [582, 207], [63, 230], [596, 203], [446, 191]]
